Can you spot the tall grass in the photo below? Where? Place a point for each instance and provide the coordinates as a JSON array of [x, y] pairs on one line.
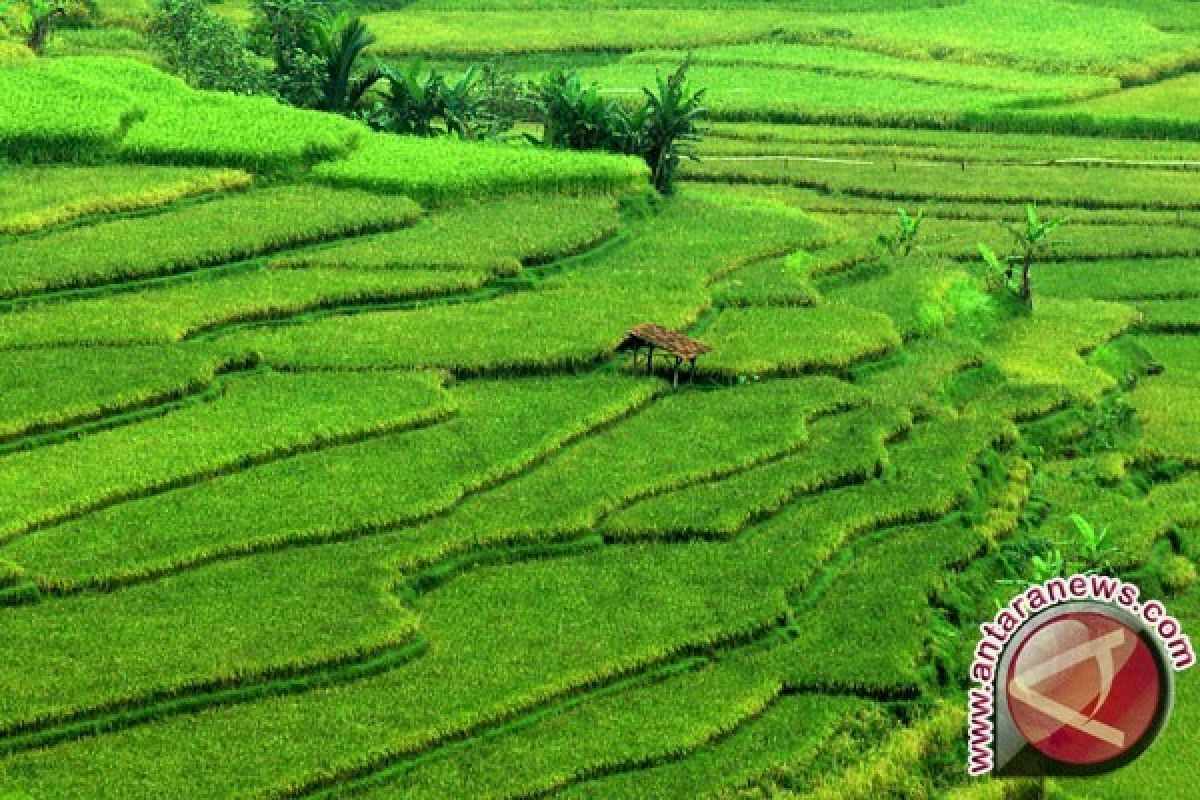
[[256, 417], [167, 313], [40, 197], [840, 61], [204, 234], [47, 389], [534, 31], [500, 236], [500, 428], [437, 170]]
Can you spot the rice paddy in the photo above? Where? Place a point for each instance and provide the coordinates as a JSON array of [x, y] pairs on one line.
[[324, 472]]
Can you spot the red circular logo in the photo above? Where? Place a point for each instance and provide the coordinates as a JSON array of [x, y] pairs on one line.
[[1084, 689]]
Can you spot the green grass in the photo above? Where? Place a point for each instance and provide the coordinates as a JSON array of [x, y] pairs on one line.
[[108, 651], [872, 625], [223, 230], [436, 170], [1164, 408], [1036, 35], [255, 417], [1135, 521], [335, 496], [668, 732], [913, 377], [572, 318], [1171, 99], [499, 429], [104, 41], [476, 673], [1176, 353], [575, 5], [1086, 188], [92, 108], [860, 213], [773, 282], [269, 137], [40, 197], [681, 440], [912, 293], [763, 94], [789, 731], [531, 331], [178, 125], [461, 33], [842, 448], [47, 119], [1043, 350], [497, 236], [176, 310], [46, 389], [750, 138], [959, 239], [865, 64], [1142, 279], [1174, 315], [14, 53], [770, 341]]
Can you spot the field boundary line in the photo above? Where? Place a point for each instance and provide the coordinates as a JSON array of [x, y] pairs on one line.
[[422, 418], [497, 479], [134, 710], [109, 418]]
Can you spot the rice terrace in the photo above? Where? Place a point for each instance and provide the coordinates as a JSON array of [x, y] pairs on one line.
[[581, 398]]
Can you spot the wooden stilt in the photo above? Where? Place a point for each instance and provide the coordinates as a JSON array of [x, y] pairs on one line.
[[681, 350]]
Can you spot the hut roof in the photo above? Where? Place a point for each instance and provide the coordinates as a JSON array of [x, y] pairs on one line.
[[673, 342]]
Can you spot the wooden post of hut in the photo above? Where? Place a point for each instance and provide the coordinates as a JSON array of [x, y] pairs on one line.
[[674, 343]]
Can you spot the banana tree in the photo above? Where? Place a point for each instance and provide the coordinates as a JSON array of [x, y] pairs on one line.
[[1032, 239], [411, 103], [672, 113], [464, 107], [904, 240], [577, 116]]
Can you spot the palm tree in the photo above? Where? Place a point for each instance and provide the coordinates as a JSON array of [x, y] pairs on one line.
[[341, 42]]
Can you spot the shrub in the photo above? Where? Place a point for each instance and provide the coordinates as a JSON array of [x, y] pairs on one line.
[[207, 50], [662, 131]]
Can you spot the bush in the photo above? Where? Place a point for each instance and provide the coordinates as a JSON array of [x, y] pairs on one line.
[[662, 131], [482, 104], [206, 50]]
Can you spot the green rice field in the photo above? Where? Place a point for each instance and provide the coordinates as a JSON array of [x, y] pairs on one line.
[[324, 473]]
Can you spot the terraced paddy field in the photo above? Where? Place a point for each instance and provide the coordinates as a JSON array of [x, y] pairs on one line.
[[322, 474]]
